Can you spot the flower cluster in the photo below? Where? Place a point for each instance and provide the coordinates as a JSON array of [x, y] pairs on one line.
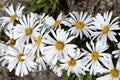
[[77, 43]]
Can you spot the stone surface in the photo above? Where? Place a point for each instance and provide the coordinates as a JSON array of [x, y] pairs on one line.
[[95, 6]]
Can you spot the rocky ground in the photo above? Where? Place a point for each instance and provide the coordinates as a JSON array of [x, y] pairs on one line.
[[95, 6], [91, 6]]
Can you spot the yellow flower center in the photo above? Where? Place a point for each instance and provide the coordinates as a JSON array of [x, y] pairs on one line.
[[72, 62], [59, 45], [20, 57], [80, 25], [12, 41], [39, 40], [94, 55], [114, 73], [105, 29], [28, 31], [13, 17], [58, 22]]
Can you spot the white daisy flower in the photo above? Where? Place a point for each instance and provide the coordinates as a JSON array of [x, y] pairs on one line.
[[74, 64], [58, 45], [42, 17], [51, 22], [117, 52], [38, 49], [112, 73], [56, 69], [14, 14], [20, 59], [118, 45], [28, 29], [40, 59], [42, 20], [95, 55], [104, 27], [9, 33], [80, 24], [3, 49], [41, 38]]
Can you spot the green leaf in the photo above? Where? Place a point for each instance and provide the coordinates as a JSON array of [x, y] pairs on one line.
[[88, 76], [47, 9], [81, 77]]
